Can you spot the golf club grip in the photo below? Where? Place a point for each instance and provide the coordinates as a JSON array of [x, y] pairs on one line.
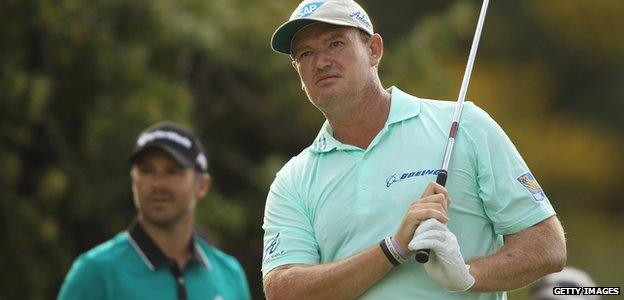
[[422, 255], [441, 179]]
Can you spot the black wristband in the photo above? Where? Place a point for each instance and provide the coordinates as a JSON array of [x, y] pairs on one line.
[[386, 252]]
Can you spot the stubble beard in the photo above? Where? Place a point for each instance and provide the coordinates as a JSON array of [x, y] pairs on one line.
[[172, 215], [338, 102], [165, 222]]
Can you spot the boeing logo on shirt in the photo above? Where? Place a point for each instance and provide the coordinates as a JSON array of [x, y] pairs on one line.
[[530, 183], [308, 9], [394, 178]]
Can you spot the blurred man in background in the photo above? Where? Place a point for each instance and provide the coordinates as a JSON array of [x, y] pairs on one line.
[[160, 256], [360, 182], [569, 278]]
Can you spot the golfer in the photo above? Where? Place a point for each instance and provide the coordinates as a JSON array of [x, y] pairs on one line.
[[160, 256], [343, 218]]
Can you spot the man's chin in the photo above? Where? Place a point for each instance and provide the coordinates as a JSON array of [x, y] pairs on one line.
[[159, 219], [326, 99]]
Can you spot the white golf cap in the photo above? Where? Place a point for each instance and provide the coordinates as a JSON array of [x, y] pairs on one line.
[[337, 12]]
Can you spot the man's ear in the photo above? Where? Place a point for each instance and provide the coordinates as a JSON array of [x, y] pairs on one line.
[[294, 65], [375, 49], [203, 186]]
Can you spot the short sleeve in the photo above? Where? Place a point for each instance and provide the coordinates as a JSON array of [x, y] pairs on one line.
[[511, 195], [288, 233], [83, 281]]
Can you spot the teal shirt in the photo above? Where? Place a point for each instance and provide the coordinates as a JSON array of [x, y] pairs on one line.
[[134, 268], [334, 200]]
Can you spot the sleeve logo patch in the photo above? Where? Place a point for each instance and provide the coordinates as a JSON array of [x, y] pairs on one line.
[[270, 249], [528, 181], [272, 244]]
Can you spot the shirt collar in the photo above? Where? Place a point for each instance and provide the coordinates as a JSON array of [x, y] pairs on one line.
[[325, 141], [402, 107], [151, 254]]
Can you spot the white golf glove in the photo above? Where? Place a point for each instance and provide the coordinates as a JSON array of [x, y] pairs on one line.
[[446, 264]]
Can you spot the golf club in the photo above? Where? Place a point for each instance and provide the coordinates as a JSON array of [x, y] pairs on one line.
[[422, 255]]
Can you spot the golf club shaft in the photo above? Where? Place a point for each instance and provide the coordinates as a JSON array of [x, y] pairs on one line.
[[422, 255]]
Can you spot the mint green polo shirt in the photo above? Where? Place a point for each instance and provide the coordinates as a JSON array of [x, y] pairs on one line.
[[131, 266], [334, 200]]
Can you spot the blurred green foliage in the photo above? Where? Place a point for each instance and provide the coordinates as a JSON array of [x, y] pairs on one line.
[[80, 79]]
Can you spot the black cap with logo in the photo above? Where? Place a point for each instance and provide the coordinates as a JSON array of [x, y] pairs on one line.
[[178, 141]]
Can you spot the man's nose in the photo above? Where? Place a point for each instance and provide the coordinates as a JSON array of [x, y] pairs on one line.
[[322, 60], [160, 179]]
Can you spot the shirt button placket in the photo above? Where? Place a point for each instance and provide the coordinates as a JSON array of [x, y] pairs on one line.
[[363, 198]]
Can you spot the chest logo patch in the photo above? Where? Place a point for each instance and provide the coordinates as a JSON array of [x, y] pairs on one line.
[[394, 178]]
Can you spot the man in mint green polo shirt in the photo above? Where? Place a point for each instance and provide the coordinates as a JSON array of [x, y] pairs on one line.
[[342, 218], [160, 256]]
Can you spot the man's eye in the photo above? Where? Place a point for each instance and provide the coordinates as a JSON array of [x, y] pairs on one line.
[[335, 44], [304, 54], [175, 171], [145, 169]]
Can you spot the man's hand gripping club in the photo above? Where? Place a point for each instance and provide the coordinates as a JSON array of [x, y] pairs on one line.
[[433, 204], [446, 264]]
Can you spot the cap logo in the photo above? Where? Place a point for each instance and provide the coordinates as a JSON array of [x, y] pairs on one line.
[[361, 17], [202, 161], [308, 9], [166, 135]]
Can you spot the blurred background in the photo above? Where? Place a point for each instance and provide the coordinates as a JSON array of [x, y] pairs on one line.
[[80, 79]]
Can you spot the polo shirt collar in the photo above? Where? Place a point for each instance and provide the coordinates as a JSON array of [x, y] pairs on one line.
[[151, 254], [402, 107], [325, 141]]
